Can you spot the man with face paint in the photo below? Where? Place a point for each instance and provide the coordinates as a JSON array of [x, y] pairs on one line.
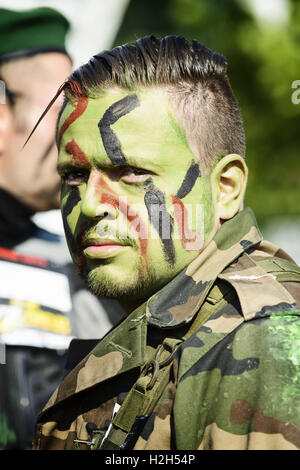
[[151, 157]]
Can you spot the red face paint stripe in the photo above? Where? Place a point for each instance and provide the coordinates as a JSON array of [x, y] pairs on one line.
[[78, 111], [99, 181], [181, 217], [78, 155], [143, 241], [111, 200]]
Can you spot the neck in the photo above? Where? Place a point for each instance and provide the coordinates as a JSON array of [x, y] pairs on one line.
[[129, 307]]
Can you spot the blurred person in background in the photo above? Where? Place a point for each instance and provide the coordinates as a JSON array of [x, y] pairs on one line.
[[40, 292]]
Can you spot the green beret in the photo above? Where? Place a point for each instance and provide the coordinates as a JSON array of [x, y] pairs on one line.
[[29, 32]]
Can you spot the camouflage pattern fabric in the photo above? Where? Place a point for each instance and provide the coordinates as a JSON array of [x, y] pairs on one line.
[[234, 384]]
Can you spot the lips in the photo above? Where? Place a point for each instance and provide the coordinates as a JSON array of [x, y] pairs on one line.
[[100, 242], [95, 248]]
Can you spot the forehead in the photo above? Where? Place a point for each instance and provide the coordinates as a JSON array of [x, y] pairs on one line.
[[142, 120], [38, 74]]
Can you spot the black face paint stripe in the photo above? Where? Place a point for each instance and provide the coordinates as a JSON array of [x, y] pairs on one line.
[[72, 201], [112, 114], [189, 180], [160, 218]]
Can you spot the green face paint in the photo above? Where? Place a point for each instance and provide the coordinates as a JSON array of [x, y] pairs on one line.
[[132, 185]]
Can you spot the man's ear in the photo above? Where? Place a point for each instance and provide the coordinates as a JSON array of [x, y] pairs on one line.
[[6, 125], [229, 180]]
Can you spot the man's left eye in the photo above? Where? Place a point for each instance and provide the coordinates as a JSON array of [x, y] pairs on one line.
[[134, 176], [74, 178]]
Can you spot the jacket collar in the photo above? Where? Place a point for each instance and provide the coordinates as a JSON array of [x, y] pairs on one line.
[[122, 349]]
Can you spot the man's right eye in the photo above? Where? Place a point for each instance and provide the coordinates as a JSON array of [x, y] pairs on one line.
[[74, 178]]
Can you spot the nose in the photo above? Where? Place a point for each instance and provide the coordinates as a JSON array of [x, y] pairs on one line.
[[98, 201]]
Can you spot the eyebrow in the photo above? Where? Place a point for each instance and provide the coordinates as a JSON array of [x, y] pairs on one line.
[[61, 167], [131, 162]]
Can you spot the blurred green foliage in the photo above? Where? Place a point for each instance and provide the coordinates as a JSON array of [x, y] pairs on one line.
[[264, 61]]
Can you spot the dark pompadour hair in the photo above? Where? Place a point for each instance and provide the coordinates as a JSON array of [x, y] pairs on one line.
[[191, 74]]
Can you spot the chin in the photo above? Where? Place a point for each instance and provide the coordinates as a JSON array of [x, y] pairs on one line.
[[133, 286]]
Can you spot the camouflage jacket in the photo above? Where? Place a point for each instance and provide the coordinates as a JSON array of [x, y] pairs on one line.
[[234, 383]]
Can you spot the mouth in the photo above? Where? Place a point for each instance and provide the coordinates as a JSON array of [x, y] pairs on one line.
[[102, 248]]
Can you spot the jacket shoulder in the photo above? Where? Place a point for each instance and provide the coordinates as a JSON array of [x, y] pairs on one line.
[[259, 284]]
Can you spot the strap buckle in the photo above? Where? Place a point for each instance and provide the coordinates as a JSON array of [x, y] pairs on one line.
[[154, 365]]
